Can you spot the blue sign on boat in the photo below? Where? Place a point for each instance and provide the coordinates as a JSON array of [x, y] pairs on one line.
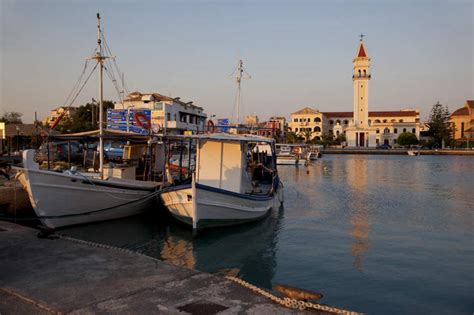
[[139, 120], [223, 125]]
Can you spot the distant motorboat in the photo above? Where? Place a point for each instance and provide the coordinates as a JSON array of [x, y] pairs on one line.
[[413, 152], [286, 155]]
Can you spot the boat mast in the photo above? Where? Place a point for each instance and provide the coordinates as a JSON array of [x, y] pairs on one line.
[[100, 59], [239, 76]]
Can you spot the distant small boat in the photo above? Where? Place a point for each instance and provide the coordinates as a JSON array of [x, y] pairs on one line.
[[288, 156], [413, 152]]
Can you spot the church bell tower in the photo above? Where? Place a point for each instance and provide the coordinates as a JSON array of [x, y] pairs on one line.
[[361, 79]]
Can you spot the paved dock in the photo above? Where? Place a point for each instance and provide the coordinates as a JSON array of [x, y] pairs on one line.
[[44, 276]]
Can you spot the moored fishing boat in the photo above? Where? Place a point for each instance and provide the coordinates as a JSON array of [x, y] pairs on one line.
[[69, 198], [232, 183]]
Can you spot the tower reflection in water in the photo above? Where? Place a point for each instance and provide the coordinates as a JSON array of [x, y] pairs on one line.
[[356, 170]]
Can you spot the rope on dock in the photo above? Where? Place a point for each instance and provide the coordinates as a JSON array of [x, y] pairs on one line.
[[287, 302], [291, 303]]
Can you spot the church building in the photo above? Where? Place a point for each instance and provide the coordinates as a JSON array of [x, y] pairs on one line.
[[363, 128]]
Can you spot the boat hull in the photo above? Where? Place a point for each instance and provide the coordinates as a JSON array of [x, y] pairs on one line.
[[214, 207], [61, 200], [290, 161]]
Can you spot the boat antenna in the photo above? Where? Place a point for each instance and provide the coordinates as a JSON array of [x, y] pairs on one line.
[[239, 74]]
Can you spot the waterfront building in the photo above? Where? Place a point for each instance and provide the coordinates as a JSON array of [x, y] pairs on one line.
[[168, 114], [251, 120], [281, 123], [63, 111], [307, 120], [462, 120], [269, 129], [363, 128]]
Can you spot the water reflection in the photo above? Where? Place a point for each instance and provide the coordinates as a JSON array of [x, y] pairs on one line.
[[250, 248], [356, 173], [376, 234]]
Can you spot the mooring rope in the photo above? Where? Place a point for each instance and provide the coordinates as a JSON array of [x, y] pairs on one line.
[[291, 303]]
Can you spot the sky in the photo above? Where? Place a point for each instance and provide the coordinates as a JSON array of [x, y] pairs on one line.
[[298, 53]]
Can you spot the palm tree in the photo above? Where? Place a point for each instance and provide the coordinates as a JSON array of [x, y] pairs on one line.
[[307, 135], [291, 137]]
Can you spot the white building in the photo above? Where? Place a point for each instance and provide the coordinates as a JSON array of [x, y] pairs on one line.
[[369, 129], [171, 115], [363, 128]]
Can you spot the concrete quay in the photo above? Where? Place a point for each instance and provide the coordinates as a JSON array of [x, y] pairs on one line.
[[61, 275]]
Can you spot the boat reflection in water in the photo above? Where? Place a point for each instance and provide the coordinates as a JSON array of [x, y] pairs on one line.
[[250, 248]]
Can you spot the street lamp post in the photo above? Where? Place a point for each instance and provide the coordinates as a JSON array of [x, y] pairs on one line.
[[17, 138]]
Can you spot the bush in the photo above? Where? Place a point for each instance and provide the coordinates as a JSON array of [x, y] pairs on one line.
[[407, 138]]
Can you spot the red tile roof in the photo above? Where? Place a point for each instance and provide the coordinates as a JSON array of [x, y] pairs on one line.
[[361, 52], [398, 113], [470, 103], [461, 111], [338, 114]]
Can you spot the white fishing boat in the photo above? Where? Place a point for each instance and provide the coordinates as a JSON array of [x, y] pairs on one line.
[[232, 182], [62, 199], [69, 198], [413, 152]]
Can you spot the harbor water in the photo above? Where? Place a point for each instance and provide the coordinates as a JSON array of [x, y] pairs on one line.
[[375, 234]]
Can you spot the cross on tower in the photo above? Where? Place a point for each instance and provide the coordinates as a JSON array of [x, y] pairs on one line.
[[361, 36]]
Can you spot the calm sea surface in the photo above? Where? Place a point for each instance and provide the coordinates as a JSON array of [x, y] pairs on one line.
[[376, 234]]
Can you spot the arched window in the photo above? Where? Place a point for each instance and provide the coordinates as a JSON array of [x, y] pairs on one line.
[[346, 122], [359, 73], [317, 119], [331, 122], [377, 130], [413, 130], [317, 129], [377, 121], [289, 128], [395, 130], [393, 120], [401, 120], [295, 120], [296, 129], [338, 122], [404, 129], [318, 138], [337, 133], [385, 120], [301, 120], [365, 73], [386, 131]]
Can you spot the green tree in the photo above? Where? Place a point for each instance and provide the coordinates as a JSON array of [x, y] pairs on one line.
[[407, 138], [439, 124], [307, 135], [341, 138], [11, 118], [291, 137], [82, 118], [327, 139]]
